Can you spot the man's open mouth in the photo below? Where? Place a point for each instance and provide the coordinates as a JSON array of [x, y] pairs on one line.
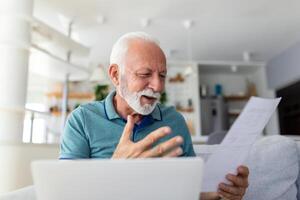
[[149, 98]]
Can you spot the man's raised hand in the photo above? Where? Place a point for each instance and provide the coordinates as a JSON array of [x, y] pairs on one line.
[[144, 148]]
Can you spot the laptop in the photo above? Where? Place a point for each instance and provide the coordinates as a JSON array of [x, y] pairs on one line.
[[133, 179]]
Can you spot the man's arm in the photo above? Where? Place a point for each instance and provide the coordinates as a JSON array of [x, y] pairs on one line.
[[74, 143]]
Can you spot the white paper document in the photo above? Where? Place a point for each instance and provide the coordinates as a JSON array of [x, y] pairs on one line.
[[235, 147]]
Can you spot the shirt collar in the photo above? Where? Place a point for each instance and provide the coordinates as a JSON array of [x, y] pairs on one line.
[[111, 113]]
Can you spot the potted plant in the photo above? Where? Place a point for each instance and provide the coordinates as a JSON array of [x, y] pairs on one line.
[[101, 91]]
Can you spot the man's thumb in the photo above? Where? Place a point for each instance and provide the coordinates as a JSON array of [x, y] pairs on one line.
[[128, 128]]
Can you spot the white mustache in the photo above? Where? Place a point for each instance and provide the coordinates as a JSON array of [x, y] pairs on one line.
[[149, 93]]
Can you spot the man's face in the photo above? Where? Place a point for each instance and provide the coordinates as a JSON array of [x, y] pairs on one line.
[[143, 78]]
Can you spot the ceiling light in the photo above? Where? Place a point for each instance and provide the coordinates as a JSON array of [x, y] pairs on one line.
[[145, 22], [101, 19], [234, 68], [188, 23], [247, 56]]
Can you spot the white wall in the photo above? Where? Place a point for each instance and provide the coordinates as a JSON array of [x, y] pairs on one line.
[[284, 69], [182, 92], [260, 79]]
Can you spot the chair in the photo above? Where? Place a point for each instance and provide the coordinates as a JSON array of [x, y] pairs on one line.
[[216, 137], [274, 168]]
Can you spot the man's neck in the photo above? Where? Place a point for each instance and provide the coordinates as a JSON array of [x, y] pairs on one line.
[[123, 109]]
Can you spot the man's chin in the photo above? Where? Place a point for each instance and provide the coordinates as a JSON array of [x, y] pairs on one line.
[[149, 105], [145, 109]]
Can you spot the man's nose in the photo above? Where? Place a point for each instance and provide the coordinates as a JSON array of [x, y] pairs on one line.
[[157, 84]]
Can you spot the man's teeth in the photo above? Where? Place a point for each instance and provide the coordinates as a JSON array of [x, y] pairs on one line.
[[149, 97]]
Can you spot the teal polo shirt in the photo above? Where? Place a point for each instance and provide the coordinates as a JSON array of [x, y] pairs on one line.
[[93, 130]]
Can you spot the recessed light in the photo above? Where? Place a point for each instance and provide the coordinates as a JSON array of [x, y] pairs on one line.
[[188, 23], [101, 19], [247, 56], [234, 68], [145, 22]]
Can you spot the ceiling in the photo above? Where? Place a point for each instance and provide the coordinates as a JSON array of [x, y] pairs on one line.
[[221, 30]]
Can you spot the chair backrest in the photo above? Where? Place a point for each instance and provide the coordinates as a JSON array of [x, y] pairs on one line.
[[298, 179], [274, 168], [216, 137], [15, 162]]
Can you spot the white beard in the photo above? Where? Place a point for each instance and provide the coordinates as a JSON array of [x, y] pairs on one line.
[[133, 99]]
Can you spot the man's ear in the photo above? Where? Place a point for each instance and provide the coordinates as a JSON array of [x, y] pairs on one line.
[[113, 72]]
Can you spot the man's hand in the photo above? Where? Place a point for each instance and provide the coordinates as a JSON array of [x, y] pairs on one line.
[[143, 149], [239, 183], [234, 191]]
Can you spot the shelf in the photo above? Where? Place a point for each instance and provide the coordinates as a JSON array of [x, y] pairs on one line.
[[45, 64], [185, 110], [57, 113], [237, 98], [199, 139], [55, 55], [72, 95], [43, 34], [37, 111], [233, 114]]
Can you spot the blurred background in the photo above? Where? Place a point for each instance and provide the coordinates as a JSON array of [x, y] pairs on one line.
[[54, 56]]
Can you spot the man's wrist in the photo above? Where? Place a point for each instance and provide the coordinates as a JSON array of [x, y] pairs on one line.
[[210, 196]]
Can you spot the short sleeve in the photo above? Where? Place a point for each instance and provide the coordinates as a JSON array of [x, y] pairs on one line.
[[188, 150], [75, 143]]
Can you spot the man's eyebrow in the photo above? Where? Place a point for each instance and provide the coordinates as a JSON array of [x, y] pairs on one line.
[[144, 69]]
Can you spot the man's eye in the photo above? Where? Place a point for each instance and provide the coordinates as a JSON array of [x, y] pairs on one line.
[[162, 75], [144, 75]]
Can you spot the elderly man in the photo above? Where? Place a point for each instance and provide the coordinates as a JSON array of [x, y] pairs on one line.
[[130, 123]]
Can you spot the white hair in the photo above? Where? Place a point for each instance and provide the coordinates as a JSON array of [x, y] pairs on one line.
[[121, 46]]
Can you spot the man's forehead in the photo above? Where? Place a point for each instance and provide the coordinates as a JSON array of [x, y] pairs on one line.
[[145, 55], [141, 46]]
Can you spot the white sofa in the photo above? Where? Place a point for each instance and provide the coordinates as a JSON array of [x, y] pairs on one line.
[[274, 170]]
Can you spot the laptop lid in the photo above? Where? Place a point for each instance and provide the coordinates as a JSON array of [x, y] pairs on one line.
[[136, 179]]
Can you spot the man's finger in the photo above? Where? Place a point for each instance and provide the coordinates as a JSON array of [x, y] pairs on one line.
[[163, 148], [238, 180], [127, 129], [233, 190], [150, 139], [243, 171], [174, 152]]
